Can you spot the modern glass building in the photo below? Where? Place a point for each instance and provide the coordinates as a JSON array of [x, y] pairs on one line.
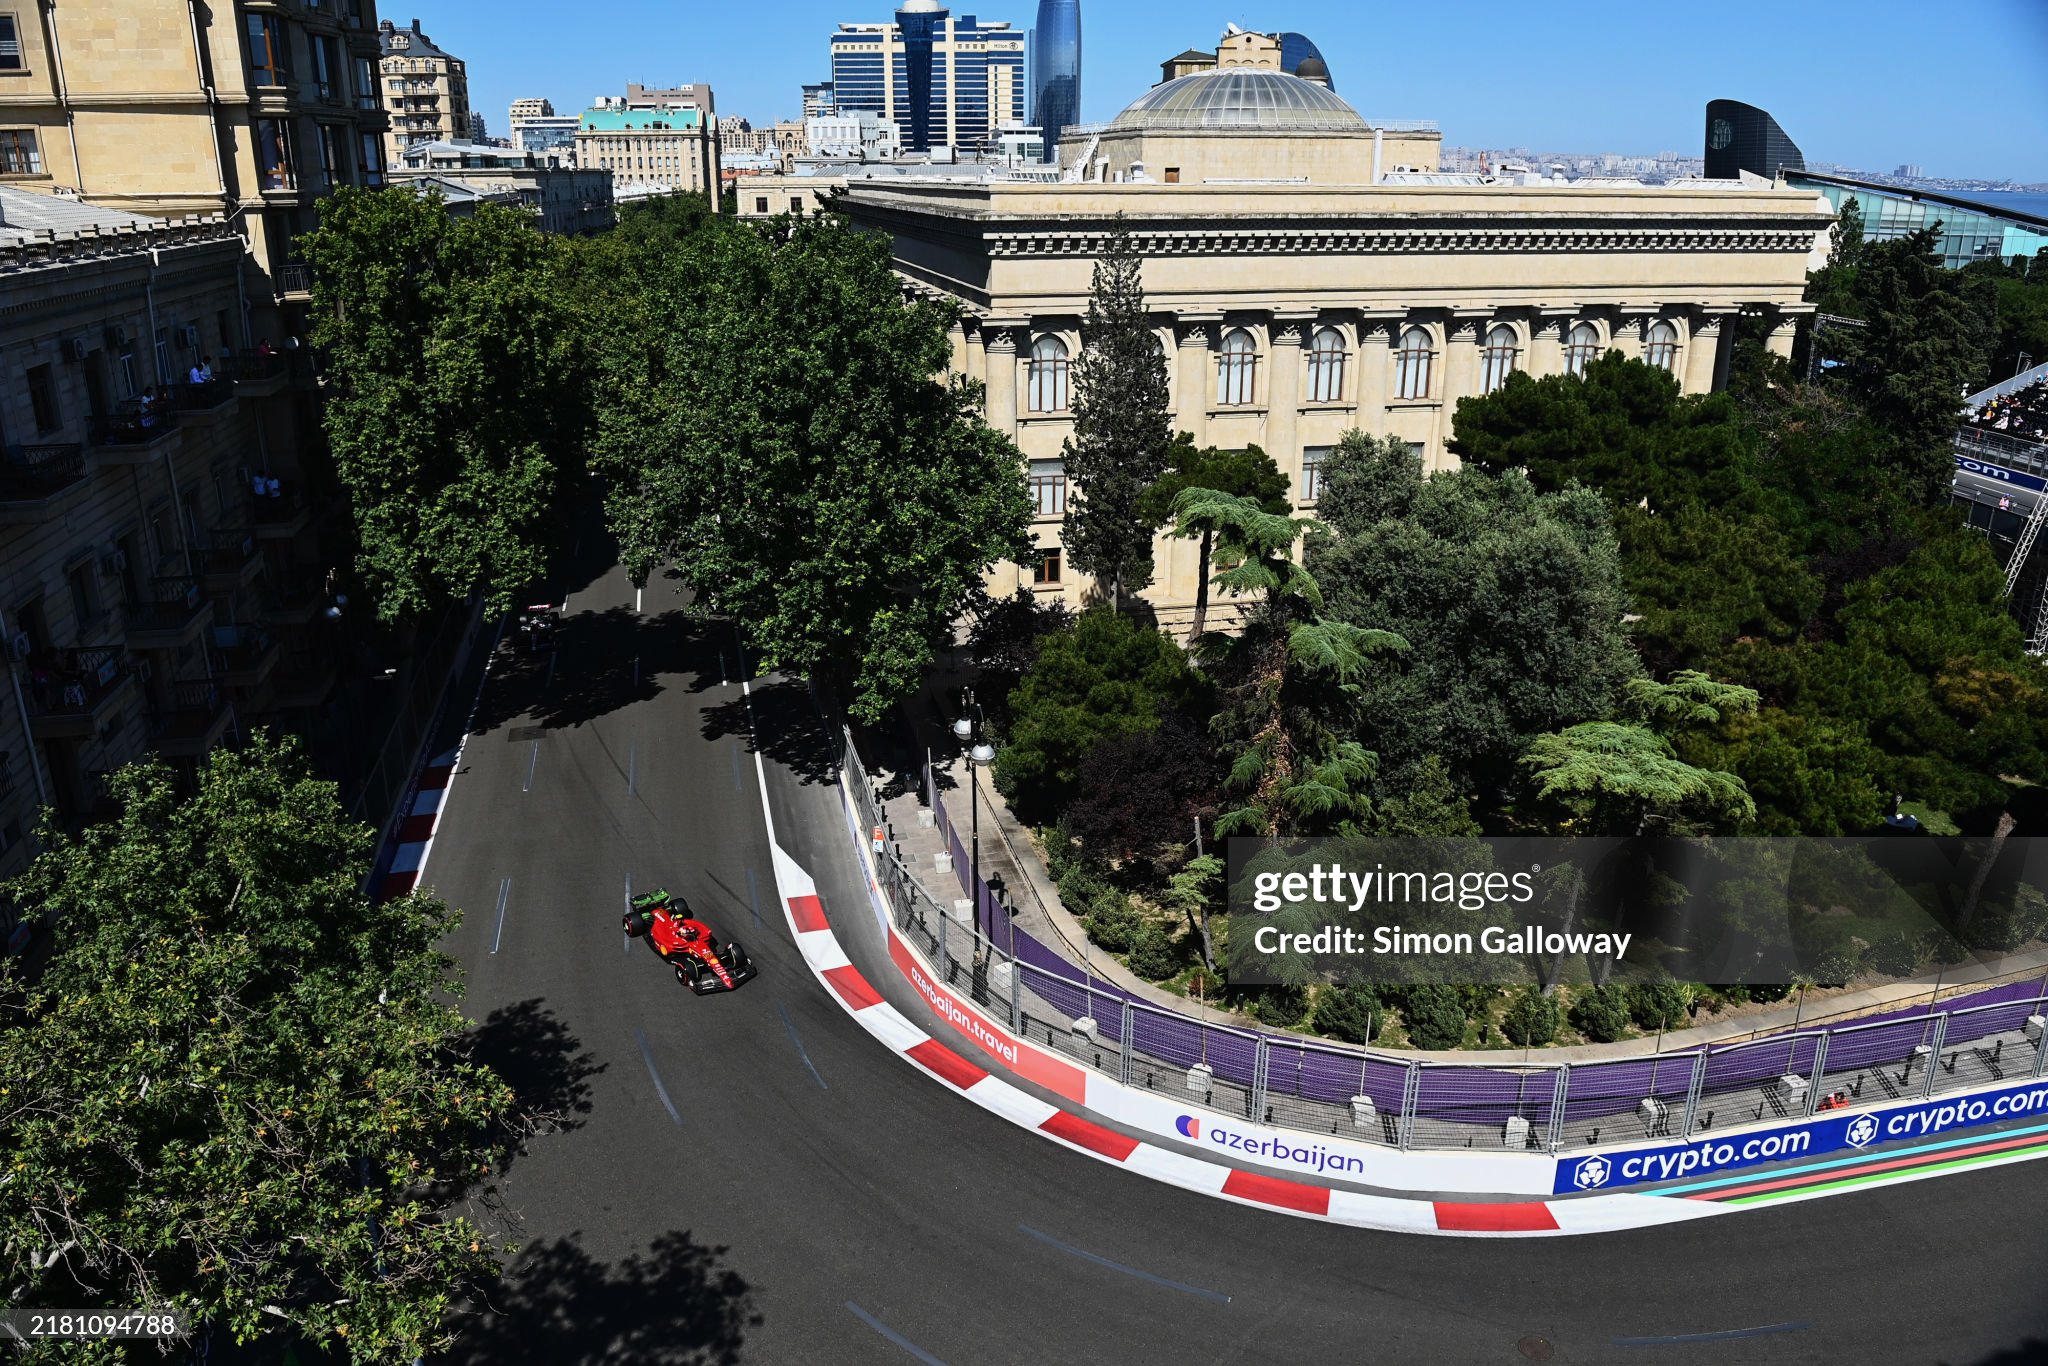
[[1056, 69], [1296, 48], [1970, 231], [944, 79], [1742, 137]]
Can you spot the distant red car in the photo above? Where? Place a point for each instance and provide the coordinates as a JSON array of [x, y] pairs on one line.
[[702, 963]]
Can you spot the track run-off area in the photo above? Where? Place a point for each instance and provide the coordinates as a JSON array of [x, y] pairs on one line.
[[753, 1177]]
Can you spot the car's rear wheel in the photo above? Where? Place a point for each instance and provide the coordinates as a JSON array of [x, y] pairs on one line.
[[686, 974], [632, 925]]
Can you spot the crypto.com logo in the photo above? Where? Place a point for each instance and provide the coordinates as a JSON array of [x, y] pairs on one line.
[[1861, 1132], [1592, 1173], [1189, 1126]]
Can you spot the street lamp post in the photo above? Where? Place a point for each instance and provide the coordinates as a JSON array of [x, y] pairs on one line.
[[979, 752]]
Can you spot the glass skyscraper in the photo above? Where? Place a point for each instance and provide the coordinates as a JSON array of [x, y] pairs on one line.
[[1056, 69], [944, 79]]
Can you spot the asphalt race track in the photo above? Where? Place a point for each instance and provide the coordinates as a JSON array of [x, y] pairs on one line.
[[751, 1178]]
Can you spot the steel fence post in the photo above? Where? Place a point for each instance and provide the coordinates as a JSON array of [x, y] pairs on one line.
[[1124, 1043], [1934, 1055], [2041, 1053], [1820, 1063], [1016, 995], [1255, 1099], [1558, 1100], [1411, 1088], [1692, 1092]]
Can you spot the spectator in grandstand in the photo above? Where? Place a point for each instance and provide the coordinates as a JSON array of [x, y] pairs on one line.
[[2022, 413]]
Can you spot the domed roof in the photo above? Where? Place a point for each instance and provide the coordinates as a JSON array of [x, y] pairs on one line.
[[1314, 69], [1242, 98]]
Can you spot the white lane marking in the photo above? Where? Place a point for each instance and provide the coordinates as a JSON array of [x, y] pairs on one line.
[[647, 1057], [1214, 1296], [531, 763], [504, 891], [636, 598], [890, 1333], [801, 1051]]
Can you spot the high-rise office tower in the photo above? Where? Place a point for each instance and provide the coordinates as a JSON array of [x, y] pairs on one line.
[[1056, 69], [944, 79]]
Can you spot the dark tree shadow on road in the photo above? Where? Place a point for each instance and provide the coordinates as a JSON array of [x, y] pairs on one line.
[[679, 1305], [2032, 1352], [786, 728], [546, 1066], [603, 662]]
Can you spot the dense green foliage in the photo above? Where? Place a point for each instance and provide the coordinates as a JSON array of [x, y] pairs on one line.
[[456, 399], [238, 1088], [1248, 473], [1121, 429], [777, 426], [1531, 1019]]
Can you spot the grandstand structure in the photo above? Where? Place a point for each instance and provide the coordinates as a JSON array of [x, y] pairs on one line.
[[2002, 484]]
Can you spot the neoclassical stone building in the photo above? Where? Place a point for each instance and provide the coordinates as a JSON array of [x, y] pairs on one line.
[[1302, 285]]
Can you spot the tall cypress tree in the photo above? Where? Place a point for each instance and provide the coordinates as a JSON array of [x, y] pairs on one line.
[[1121, 429]]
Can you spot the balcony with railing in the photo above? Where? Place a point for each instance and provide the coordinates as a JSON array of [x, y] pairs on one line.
[[229, 560], [136, 433], [36, 480], [249, 654], [280, 512], [292, 598], [71, 692], [170, 616], [203, 401], [255, 374], [190, 718], [295, 280]]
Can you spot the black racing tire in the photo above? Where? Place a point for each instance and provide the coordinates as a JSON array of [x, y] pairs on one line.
[[737, 958], [686, 975], [633, 925]]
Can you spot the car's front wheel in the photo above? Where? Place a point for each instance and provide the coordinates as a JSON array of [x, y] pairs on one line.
[[632, 925]]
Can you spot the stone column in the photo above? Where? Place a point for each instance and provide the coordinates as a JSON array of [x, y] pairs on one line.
[[1375, 343], [1702, 353], [999, 341], [957, 339], [1461, 377], [1784, 330], [1195, 386], [1546, 341], [1284, 392]]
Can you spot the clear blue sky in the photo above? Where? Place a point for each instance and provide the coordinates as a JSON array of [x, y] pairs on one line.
[[1959, 87]]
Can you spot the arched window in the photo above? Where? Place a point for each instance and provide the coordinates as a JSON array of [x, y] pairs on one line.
[[1497, 360], [1660, 347], [1326, 366], [1581, 348], [1235, 367], [1411, 364], [1048, 381]]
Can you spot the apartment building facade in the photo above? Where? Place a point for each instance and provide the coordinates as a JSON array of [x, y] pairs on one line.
[[152, 106], [161, 572], [654, 141], [426, 91]]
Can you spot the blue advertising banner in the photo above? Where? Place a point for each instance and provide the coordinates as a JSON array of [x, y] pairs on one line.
[[1822, 1134], [1984, 469]]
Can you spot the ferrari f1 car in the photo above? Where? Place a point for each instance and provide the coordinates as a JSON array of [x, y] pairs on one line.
[[702, 963]]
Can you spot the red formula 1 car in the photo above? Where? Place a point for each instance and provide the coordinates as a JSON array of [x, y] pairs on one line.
[[702, 963]]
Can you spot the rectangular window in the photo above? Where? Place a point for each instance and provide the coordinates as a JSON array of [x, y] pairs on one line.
[[1415, 449], [796, 204], [10, 44], [124, 371], [266, 50], [1173, 175], [1312, 459], [1049, 487], [18, 152], [79, 579], [163, 354], [1047, 570], [333, 164], [274, 154], [42, 396], [761, 203], [325, 67], [366, 85]]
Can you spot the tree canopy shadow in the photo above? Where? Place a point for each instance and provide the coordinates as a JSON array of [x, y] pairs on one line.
[[2032, 1352], [602, 662], [677, 1305], [786, 728], [546, 1066]]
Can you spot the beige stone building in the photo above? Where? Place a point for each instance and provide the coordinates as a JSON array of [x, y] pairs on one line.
[[654, 141], [426, 91], [250, 111], [564, 199], [151, 598], [1301, 286]]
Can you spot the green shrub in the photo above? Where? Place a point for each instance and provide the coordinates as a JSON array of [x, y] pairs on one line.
[[1531, 1019], [1600, 1013], [1434, 1015], [1282, 1006], [1112, 921], [1659, 1005], [1348, 1013], [1153, 954]]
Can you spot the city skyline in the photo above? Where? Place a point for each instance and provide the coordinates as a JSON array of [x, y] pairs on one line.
[[1846, 91]]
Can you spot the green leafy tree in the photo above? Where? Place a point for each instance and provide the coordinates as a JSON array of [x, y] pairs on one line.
[[1248, 473], [1531, 1019], [1290, 679], [456, 399], [1107, 677], [1122, 428], [1511, 602], [1350, 1013], [1434, 1016], [1600, 1013], [1366, 481], [1192, 892], [784, 437], [239, 1087], [1659, 1006]]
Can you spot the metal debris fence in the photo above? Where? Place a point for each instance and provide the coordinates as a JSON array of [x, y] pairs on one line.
[[1382, 1097]]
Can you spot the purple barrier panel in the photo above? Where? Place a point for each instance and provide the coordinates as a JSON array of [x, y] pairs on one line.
[[1332, 1076], [1450, 1093], [1599, 1090], [1968, 1026], [1757, 1064], [2010, 991], [1068, 998], [1890, 1043], [1184, 1042]]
